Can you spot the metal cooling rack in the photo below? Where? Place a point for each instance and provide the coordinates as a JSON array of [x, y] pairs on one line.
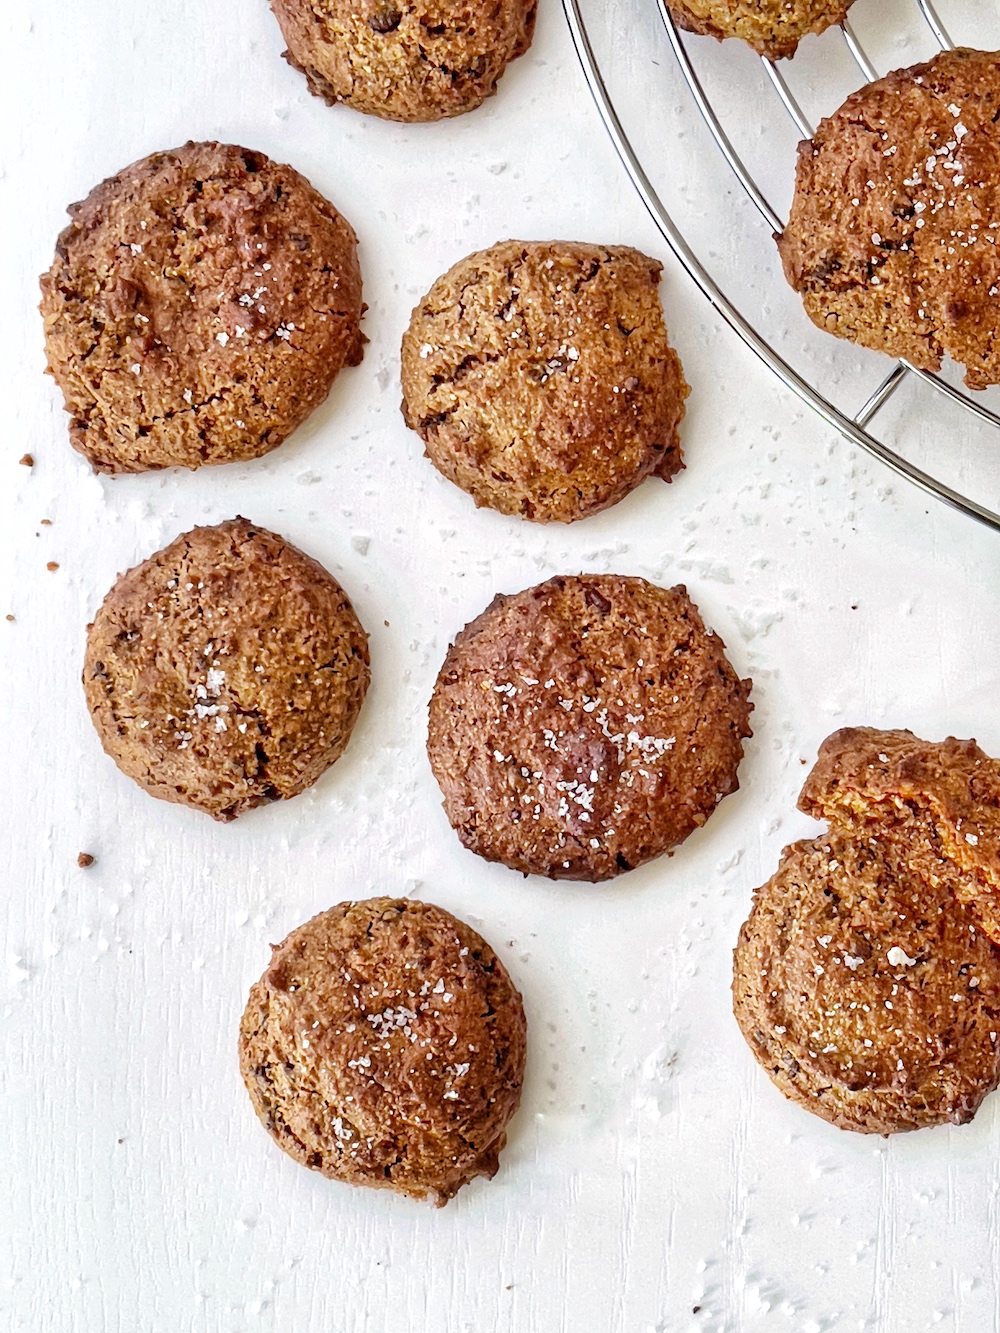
[[856, 428]]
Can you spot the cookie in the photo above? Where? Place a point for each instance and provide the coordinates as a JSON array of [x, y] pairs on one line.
[[385, 1046], [540, 378], [585, 726], [773, 28], [890, 240], [946, 793], [867, 992], [199, 307], [401, 61], [225, 671]]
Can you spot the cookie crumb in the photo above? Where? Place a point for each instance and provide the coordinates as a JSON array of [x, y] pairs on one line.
[[52, 566], [26, 460], [84, 860]]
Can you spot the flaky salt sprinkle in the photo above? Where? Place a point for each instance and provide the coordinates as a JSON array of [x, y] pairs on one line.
[[898, 958]]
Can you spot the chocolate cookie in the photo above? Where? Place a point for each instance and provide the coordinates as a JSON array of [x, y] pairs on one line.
[[890, 239], [225, 671], [867, 991], [403, 61], [385, 1046], [585, 726], [773, 28], [539, 376], [199, 307], [915, 792]]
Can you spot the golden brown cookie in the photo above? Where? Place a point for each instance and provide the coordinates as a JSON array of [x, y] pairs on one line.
[[913, 791], [773, 28], [891, 238], [199, 307], [225, 671], [385, 1046], [585, 726], [540, 378], [403, 61], [866, 991]]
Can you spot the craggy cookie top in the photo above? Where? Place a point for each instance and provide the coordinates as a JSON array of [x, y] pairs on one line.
[[385, 1046], [540, 378], [225, 671], [584, 726], [914, 790], [199, 307], [893, 229], [773, 28], [867, 992], [404, 61]]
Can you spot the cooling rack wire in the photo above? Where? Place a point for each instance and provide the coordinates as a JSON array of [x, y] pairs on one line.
[[855, 428]]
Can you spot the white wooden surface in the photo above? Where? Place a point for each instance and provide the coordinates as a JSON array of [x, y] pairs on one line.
[[652, 1168]]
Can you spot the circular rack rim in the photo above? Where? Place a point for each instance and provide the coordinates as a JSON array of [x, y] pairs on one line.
[[852, 428]]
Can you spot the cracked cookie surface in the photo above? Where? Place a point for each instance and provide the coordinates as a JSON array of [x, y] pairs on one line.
[[401, 60], [540, 378], [385, 1046], [225, 671], [945, 792], [892, 238], [773, 28], [199, 307], [584, 726]]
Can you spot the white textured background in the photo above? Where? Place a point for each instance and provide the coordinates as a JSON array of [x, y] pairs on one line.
[[652, 1168]]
